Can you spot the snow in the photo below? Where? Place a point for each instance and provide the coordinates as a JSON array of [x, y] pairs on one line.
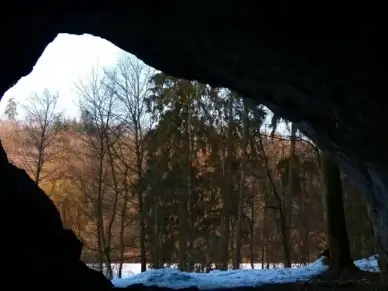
[[173, 278], [369, 264]]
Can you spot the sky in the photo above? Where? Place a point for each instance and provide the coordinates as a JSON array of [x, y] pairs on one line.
[[64, 62]]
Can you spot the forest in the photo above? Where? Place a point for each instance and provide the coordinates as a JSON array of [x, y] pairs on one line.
[[159, 170]]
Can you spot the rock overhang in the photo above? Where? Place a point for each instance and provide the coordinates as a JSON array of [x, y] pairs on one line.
[[322, 66]]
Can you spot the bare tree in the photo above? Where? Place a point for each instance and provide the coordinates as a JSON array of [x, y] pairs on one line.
[[97, 180], [39, 135], [131, 81], [279, 203]]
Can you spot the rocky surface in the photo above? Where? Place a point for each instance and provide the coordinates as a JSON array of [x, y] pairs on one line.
[[323, 66], [35, 250]]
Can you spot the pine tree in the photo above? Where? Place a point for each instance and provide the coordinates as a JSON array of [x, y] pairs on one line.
[[11, 109]]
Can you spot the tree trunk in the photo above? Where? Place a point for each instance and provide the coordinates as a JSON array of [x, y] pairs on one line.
[[237, 257], [189, 262], [156, 249], [139, 191], [264, 232], [183, 232], [286, 239], [99, 216], [290, 194], [143, 257], [305, 219], [280, 207], [340, 257], [226, 193], [252, 259]]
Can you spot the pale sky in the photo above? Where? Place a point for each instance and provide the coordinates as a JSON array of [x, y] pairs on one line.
[[64, 61]]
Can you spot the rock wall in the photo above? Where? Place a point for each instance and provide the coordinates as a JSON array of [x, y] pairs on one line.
[[34, 248]]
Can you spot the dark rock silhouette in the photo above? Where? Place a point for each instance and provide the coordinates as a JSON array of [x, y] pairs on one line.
[[74, 244], [322, 66], [35, 249]]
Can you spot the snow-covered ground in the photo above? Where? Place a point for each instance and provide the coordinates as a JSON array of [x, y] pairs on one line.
[[368, 264], [173, 278]]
